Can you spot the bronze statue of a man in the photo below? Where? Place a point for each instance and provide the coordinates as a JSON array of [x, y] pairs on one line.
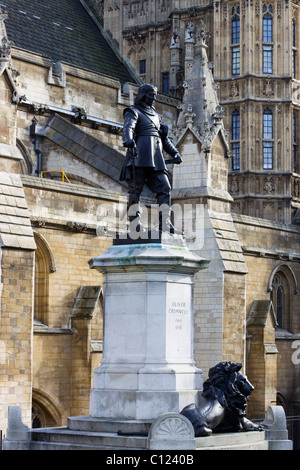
[[146, 139]]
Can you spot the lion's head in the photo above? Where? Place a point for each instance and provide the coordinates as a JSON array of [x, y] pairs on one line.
[[228, 385]]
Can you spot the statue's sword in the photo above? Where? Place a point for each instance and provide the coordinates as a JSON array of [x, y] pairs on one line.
[[132, 153]]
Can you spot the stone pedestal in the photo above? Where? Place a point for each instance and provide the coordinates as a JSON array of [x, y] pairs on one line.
[[148, 367]]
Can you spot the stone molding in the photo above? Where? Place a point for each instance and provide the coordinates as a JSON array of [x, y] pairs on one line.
[[171, 431]]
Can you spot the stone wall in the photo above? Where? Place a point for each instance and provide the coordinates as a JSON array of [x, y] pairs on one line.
[[16, 297], [64, 346], [234, 317], [269, 246], [16, 332]]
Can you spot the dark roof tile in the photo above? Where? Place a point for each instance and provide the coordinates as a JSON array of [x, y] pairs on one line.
[[63, 31]]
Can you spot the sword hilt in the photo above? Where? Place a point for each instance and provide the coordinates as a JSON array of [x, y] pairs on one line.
[[132, 151]]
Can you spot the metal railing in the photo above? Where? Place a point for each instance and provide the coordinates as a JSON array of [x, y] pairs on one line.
[[63, 174]]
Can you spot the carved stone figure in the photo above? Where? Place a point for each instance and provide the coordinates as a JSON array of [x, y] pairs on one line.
[[146, 139], [227, 392], [189, 32], [175, 39]]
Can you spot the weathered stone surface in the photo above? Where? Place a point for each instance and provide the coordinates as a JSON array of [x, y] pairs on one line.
[[15, 228]]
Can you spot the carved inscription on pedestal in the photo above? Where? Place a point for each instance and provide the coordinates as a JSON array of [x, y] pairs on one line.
[[179, 309], [179, 323]]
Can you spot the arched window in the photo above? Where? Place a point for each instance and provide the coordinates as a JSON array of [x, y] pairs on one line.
[[294, 50], [295, 166], [268, 141], [165, 78], [280, 299], [142, 67], [142, 56], [235, 32], [283, 286], [236, 131], [267, 27], [26, 163], [235, 41], [44, 265]]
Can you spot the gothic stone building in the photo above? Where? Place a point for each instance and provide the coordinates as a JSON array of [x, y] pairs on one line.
[[67, 71], [253, 55]]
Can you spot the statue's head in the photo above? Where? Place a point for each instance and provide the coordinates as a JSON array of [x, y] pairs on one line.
[[147, 94]]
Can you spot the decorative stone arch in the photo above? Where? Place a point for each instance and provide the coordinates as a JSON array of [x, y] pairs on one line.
[[89, 305], [45, 412], [132, 55], [44, 265], [285, 268], [97, 318], [141, 55], [283, 286], [26, 164], [44, 245], [142, 51]]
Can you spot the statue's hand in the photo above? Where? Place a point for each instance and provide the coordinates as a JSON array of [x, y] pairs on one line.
[[129, 144], [177, 159]]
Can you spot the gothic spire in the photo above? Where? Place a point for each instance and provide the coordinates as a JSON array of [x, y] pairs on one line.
[[201, 110]]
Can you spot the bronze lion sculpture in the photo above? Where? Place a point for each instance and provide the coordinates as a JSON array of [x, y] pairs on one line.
[[226, 394]]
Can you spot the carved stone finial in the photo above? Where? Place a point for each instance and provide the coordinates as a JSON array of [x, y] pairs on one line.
[[5, 51], [175, 39], [219, 114], [189, 32], [171, 431], [189, 116], [202, 35]]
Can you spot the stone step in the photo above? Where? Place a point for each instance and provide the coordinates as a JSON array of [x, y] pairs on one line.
[[132, 427], [93, 439], [55, 437], [70, 441], [234, 441], [36, 445]]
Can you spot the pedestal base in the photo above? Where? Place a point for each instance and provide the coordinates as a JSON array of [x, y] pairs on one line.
[[150, 237], [148, 367], [138, 405]]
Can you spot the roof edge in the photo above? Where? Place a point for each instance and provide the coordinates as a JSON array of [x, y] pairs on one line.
[[111, 43]]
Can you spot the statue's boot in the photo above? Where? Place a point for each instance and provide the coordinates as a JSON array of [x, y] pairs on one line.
[[165, 224], [135, 224]]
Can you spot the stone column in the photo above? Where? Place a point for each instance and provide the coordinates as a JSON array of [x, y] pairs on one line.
[[189, 44], [148, 367], [175, 57]]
